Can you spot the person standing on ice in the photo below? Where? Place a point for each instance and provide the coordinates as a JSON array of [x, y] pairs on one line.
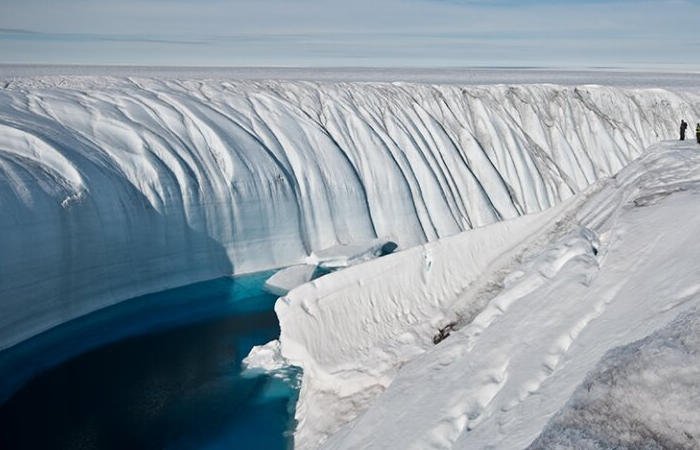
[[697, 133], [684, 125]]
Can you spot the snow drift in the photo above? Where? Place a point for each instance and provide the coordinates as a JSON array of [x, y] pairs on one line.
[[476, 340], [114, 187]]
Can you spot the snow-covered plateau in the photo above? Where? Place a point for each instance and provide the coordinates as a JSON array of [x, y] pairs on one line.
[[528, 219]]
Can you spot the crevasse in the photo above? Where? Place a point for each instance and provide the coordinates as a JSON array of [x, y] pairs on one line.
[[114, 187]]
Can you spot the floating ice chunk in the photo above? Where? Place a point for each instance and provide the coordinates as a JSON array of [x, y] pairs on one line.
[[266, 358], [287, 279]]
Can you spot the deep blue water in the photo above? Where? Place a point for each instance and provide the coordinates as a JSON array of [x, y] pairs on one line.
[[162, 371]]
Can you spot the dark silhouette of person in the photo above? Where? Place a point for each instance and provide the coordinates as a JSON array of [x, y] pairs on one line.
[[697, 133], [684, 125]]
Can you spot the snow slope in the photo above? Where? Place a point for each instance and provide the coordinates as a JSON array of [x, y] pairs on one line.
[[529, 306], [114, 187]]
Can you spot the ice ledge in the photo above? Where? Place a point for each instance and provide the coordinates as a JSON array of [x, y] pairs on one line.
[[327, 260]]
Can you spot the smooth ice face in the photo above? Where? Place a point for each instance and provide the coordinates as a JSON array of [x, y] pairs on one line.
[[114, 187]]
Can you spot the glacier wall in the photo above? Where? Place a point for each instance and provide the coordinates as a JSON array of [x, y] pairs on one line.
[[114, 187]]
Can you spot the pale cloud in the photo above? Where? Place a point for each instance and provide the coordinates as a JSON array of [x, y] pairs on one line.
[[359, 32]]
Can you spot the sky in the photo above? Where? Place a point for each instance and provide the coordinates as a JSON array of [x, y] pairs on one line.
[[661, 34]]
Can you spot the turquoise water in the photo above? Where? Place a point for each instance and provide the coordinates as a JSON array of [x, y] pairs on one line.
[[158, 371]]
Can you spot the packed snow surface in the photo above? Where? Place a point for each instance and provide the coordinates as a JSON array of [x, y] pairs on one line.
[[477, 340], [112, 187]]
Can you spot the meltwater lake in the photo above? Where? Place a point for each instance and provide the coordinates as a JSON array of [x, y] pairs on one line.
[[162, 371]]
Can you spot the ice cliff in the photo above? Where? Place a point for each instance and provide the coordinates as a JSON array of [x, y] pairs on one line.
[[114, 187]]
